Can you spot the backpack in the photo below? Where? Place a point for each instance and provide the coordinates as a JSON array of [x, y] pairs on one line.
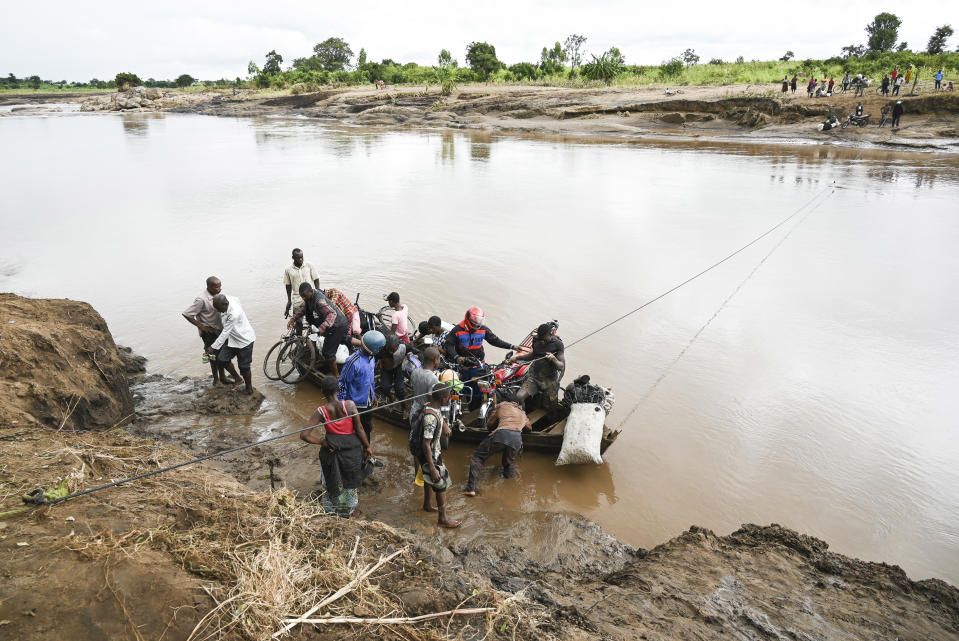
[[416, 433]]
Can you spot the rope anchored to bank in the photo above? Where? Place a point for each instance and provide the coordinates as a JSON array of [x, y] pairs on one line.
[[38, 498]]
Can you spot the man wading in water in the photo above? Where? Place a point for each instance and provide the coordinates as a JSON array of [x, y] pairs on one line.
[[206, 319]]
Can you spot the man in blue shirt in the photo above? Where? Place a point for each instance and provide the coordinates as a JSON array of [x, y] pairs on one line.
[[939, 77], [356, 377]]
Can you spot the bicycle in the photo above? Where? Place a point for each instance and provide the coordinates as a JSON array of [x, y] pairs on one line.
[[297, 353]]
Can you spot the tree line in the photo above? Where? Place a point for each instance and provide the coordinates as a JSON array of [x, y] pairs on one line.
[[333, 62]]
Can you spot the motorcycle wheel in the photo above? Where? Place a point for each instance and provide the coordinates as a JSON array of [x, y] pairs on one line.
[[863, 123], [844, 124]]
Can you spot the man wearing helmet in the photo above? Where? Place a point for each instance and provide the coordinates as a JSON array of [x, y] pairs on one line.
[[356, 377], [465, 341]]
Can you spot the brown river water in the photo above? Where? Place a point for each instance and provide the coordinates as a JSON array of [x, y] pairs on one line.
[[822, 395]]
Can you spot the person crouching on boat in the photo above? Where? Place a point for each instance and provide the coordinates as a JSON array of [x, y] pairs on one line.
[[343, 444], [549, 363], [509, 421], [466, 340], [330, 323]]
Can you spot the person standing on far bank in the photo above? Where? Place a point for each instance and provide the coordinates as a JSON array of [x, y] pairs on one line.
[[896, 114], [206, 319], [235, 339], [299, 272]]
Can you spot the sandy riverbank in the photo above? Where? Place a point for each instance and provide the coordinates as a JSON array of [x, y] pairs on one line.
[[155, 557], [740, 112]]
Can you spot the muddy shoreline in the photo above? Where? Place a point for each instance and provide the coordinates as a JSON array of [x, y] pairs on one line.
[[153, 555], [735, 113]]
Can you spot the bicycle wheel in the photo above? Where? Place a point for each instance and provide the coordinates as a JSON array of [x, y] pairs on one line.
[[385, 319], [295, 360], [269, 368]]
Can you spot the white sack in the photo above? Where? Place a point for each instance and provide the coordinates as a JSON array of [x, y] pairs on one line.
[[583, 435]]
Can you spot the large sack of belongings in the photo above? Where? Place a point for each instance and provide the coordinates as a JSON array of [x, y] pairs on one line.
[[588, 406]]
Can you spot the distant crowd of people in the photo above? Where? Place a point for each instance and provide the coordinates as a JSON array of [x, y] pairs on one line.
[[891, 83]]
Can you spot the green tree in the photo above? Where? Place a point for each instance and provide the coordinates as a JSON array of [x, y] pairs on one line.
[[903, 46], [937, 42], [445, 59], [690, 57], [184, 80], [35, 82], [272, 65], [853, 51], [883, 32], [573, 47], [251, 69], [361, 58], [789, 55], [551, 59], [126, 80], [481, 57], [333, 54]]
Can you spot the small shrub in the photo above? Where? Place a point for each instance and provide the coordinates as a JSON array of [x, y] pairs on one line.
[[671, 68]]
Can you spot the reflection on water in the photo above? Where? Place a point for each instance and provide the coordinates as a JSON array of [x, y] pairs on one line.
[[139, 124], [821, 396]]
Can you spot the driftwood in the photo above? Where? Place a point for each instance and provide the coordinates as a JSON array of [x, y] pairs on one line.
[[392, 620]]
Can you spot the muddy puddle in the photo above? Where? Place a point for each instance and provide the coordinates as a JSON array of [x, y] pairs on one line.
[[821, 395]]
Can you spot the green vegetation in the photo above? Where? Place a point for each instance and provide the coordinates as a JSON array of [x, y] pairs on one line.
[[332, 64], [482, 59], [606, 67], [937, 41], [883, 32], [127, 80]]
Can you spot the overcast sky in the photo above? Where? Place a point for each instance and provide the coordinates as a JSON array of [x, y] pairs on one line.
[[211, 39]]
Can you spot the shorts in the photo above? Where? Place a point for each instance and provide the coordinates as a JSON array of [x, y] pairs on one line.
[[243, 355], [549, 390], [208, 339]]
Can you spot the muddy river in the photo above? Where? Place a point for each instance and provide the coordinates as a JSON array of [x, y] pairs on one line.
[[821, 395]]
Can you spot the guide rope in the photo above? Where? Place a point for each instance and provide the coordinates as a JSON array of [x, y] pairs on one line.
[[39, 500], [722, 306]]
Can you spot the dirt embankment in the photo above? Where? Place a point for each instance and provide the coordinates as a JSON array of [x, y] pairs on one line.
[[742, 112], [195, 550]]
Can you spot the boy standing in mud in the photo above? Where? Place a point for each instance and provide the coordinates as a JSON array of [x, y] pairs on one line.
[[206, 319], [429, 455]]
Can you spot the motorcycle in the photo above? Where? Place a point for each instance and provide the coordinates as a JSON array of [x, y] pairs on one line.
[[507, 379], [832, 122], [853, 119]]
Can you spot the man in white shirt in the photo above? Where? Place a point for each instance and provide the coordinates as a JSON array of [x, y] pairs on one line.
[[236, 338], [299, 272]]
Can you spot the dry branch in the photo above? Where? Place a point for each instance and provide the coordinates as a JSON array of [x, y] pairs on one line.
[[393, 620], [346, 589]]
